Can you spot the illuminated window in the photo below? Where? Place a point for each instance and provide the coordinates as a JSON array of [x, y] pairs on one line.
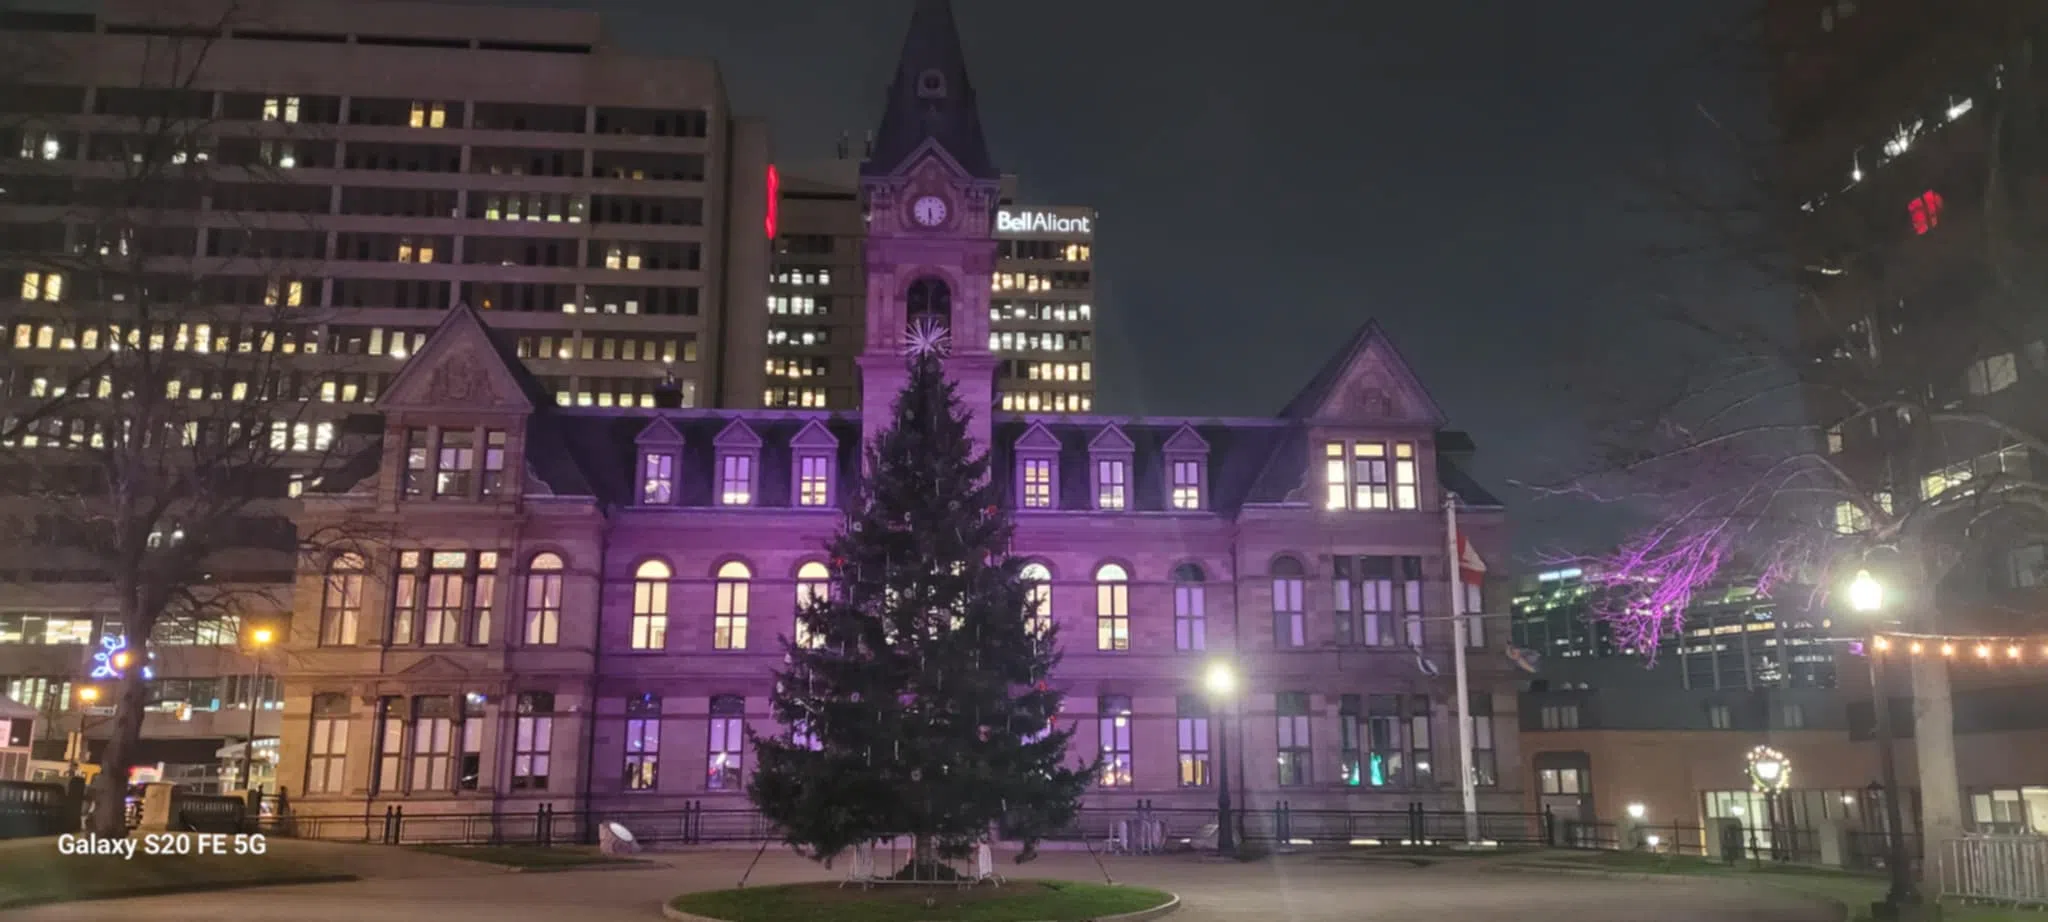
[[727, 746], [543, 600], [327, 753], [1991, 375], [428, 115], [1191, 721], [456, 460], [1039, 595], [643, 741], [729, 617], [1037, 476], [1925, 211], [813, 585], [1112, 608], [1356, 476], [42, 286], [657, 478], [1109, 483], [814, 480], [1113, 716], [1291, 711], [341, 605], [533, 737], [736, 480], [1187, 484], [650, 605]]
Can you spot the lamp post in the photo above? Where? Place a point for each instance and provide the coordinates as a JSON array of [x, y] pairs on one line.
[[87, 694], [1221, 682], [1866, 597], [258, 639], [1770, 773]]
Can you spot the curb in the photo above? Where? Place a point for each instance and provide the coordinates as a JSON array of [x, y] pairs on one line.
[[636, 865], [1141, 915], [174, 889], [1843, 912]]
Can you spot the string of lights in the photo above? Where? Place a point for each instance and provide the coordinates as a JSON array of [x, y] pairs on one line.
[[1982, 648]]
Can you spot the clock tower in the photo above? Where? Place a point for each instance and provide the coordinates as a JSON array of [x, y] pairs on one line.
[[931, 193]]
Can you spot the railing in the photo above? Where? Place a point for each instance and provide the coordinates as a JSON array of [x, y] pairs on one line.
[[2004, 869], [210, 812], [29, 808]]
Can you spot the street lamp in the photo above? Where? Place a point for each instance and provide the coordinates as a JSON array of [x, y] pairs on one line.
[[1866, 597], [1221, 682], [1769, 773], [258, 639], [87, 694]]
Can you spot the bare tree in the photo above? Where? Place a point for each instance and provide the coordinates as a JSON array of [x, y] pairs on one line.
[[154, 443], [1854, 326]]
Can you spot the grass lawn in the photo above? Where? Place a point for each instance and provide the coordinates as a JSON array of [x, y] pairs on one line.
[[33, 871], [1017, 901], [529, 857], [1853, 889]]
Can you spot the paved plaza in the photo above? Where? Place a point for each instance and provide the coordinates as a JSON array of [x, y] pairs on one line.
[[402, 886]]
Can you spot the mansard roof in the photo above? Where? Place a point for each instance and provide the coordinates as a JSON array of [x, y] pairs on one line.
[[1237, 452]]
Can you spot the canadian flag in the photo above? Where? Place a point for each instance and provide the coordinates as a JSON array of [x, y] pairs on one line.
[[1471, 567]]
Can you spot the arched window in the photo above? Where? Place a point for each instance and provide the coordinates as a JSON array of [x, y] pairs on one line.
[[1112, 608], [544, 600], [1190, 625], [729, 619], [650, 605], [341, 605], [930, 297], [1290, 623], [813, 584], [1038, 579]]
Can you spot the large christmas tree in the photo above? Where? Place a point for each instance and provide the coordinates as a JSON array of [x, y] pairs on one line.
[[916, 694]]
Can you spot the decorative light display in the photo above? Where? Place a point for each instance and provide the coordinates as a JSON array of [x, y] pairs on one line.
[[1983, 649], [1769, 771], [111, 662]]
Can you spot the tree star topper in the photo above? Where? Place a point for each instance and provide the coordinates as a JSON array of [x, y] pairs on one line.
[[927, 336]]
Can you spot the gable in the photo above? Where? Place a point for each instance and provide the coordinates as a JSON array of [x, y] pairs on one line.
[[659, 432], [1367, 382], [460, 367], [1038, 439], [739, 436], [814, 435], [1111, 440], [1186, 441]]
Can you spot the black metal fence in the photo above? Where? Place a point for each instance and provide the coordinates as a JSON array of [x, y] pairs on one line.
[[698, 823], [31, 808]]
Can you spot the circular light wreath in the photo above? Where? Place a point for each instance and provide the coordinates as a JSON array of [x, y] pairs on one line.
[[1769, 771]]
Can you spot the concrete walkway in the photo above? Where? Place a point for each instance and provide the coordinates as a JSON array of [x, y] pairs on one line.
[[402, 886]]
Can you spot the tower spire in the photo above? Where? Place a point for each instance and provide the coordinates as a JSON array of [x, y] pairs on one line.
[[931, 99]]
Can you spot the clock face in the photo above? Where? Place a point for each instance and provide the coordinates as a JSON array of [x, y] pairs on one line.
[[929, 211]]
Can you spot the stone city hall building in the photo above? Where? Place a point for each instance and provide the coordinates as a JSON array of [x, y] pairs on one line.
[[586, 606]]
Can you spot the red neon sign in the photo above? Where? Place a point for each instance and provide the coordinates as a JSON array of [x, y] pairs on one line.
[[774, 198]]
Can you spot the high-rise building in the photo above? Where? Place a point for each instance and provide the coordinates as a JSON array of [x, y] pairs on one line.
[[1041, 310], [369, 164], [601, 635]]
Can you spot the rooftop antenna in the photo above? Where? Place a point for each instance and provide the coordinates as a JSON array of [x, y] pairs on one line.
[[870, 152], [845, 148]]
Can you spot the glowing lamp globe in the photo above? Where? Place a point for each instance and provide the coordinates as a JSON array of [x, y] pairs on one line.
[[1769, 770], [1866, 594], [1220, 680]]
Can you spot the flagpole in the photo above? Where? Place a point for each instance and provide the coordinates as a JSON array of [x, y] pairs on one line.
[[1466, 785]]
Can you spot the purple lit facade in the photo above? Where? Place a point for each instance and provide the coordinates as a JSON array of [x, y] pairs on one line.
[[585, 606]]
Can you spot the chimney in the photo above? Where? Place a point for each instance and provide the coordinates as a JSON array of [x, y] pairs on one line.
[[668, 395]]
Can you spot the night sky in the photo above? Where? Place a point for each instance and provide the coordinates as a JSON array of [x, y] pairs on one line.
[[1271, 175]]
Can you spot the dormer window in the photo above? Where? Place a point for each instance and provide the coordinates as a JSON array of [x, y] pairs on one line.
[[657, 478], [661, 453], [1187, 485], [494, 462], [816, 450], [814, 480], [1112, 477], [1036, 475], [457, 457], [1110, 453], [1187, 455], [739, 461], [1038, 469], [1370, 475], [735, 480]]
